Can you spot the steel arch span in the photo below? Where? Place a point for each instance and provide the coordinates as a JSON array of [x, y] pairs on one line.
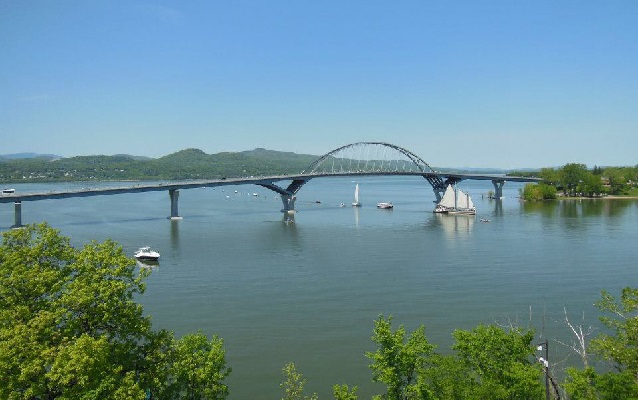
[[368, 157], [361, 158]]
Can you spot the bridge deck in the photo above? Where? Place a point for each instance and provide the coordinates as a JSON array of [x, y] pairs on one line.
[[264, 180]]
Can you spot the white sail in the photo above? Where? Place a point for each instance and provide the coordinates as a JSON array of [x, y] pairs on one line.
[[461, 199], [470, 203], [455, 202], [449, 198], [464, 201], [356, 196]]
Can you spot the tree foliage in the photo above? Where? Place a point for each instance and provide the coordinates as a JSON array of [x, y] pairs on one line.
[[294, 384], [399, 363], [71, 329], [499, 363], [490, 362], [536, 192], [618, 348], [184, 164]]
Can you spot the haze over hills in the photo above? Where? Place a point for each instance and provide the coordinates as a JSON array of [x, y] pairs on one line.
[[17, 156], [183, 164]]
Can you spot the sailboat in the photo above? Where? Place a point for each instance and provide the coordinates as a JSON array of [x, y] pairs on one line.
[[356, 203], [455, 201]]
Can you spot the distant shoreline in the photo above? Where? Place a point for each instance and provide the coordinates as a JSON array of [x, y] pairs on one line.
[[610, 197]]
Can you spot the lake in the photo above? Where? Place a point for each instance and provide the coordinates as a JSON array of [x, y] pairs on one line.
[[308, 292]]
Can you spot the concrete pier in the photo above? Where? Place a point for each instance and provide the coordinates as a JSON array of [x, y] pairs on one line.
[[498, 188], [17, 215], [174, 195], [288, 201]]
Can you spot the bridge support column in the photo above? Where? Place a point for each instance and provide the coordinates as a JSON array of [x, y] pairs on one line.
[[174, 195], [17, 215], [498, 189], [289, 207]]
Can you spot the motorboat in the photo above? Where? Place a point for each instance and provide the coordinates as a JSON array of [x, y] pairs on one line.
[[147, 254], [385, 206], [8, 191]]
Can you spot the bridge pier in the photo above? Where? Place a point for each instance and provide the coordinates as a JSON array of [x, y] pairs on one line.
[[498, 188], [174, 195], [17, 215], [288, 201]]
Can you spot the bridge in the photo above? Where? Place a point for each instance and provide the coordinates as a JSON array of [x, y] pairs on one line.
[[356, 159]]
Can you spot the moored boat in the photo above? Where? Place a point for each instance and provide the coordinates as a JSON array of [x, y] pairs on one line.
[[356, 202], [455, 201], [385, 206], [146, 254]]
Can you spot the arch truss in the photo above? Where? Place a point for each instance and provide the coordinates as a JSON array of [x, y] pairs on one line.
[[360, 158], [376, 158], [368, 157]]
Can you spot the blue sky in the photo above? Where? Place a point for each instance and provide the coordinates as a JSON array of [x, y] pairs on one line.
[[507, 84]]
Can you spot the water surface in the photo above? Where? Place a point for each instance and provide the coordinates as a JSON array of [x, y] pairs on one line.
[[309, 292]]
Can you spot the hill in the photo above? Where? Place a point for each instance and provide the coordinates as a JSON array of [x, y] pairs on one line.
[[184, 164], [17, 156]]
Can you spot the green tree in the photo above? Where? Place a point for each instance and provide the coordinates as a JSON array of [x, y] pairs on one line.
[[199, 368], [616, 180], [294, 384], [571, 175], [70, 329], [343, 392], [591, 185], [500, 363], [550, 176], [618, 348], [449, 378], [398, 363], [536, 192]]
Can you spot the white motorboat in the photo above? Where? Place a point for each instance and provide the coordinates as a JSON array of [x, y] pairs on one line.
[[455, 201], [8, 191], [146, 254], [385, 206], [356, 202]]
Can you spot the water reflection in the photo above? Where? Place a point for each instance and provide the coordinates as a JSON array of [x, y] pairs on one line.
[[289, 217], [147, 264], [498, 207], [175, 234], [456, 225], [579, 208]]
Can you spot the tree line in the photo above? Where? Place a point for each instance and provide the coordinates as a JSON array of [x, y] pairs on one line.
[[184, 164], [576, 180], [70, 329]]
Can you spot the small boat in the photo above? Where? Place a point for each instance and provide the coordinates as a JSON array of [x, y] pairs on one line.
[[385, 206], [342, 205], [8, 191], [455, 201], [146, 254], [356, 203]]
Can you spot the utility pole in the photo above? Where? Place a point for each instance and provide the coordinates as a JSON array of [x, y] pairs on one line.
[[545, 363]]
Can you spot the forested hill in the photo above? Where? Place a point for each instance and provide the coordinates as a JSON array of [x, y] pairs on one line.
[[184, 164]]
